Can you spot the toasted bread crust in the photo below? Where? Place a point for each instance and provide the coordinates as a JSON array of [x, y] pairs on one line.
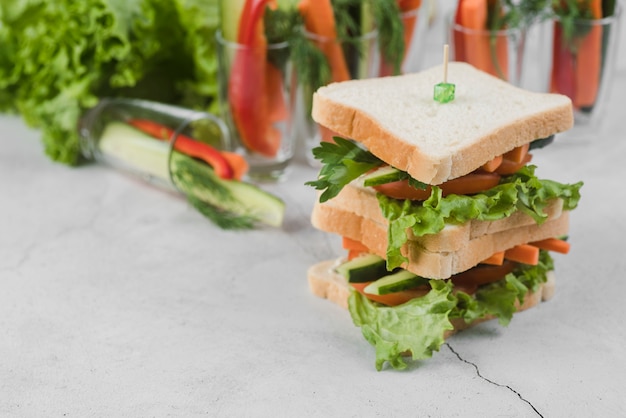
[[361, 200], [356, 214], [436, 142]]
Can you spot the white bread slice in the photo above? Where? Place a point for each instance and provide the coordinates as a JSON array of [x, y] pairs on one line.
[[326, 283], [433, 264], [397, 119], [361, 200]]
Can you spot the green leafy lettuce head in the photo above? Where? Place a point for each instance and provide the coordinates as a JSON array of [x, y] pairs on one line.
[[59, 57]]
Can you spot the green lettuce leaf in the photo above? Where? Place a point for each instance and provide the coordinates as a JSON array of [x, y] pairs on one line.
[[59, 57], [498, 299], [419, 326], [521, 191]]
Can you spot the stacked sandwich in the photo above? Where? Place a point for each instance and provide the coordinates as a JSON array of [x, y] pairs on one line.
[[444, 221]]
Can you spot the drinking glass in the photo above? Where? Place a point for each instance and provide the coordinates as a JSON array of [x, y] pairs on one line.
[[583, 63], [497, 52], [359, 58], [257, 99], [138, 136], [415, 24]]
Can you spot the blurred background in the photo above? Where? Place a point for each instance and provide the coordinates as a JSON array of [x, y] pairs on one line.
[[60, 58]]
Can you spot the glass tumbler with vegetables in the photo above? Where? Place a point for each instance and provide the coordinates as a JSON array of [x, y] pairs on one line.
[[414, 18], [585, 36], [182, 150], [344, 40], [257, 84], [492, 35]]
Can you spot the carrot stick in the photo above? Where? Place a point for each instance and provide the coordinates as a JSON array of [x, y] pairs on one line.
[[319, 19], [553, 244], [509, 167], [237, 162], [473, 16], [391, 299], [492, 165], [352, 244], [487, 52], [355, 248], [588, 62], [496, 259], [524, 253], [562, 76], [518, 154]]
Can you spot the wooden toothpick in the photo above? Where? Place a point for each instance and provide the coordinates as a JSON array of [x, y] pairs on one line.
[[444, 91]]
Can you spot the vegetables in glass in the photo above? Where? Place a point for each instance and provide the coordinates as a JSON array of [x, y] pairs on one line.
[[182, 150]]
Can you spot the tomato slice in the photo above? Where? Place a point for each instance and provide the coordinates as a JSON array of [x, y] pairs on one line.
[[483, 274], [392, 299], [469, 184], [467, 282]]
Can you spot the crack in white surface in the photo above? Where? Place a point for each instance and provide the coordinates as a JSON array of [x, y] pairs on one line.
[[491, 381]]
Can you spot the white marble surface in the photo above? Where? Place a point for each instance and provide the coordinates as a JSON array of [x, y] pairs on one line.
[[119, 300]]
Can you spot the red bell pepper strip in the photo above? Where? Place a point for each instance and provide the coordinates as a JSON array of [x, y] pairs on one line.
[[187, 146], [248, 95]]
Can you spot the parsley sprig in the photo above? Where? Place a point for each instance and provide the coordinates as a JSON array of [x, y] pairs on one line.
[[343, 161]]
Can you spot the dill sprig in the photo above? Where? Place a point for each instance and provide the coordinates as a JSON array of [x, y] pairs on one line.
[[353, 18], [221, 218], [204, 191], [517, 14], [388, 20]]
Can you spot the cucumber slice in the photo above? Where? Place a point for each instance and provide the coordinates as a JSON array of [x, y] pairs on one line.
[[383, 175], [365, 268], [123, 146], [130, 148], [237, 197], [230, 14], [542, 142], [395, 282]]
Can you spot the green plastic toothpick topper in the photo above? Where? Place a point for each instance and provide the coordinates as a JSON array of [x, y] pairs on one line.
[[444, 91]]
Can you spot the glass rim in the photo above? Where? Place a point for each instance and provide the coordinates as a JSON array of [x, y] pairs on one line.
[[603, 21], [236, 45], [320, 38], [491, 32]]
